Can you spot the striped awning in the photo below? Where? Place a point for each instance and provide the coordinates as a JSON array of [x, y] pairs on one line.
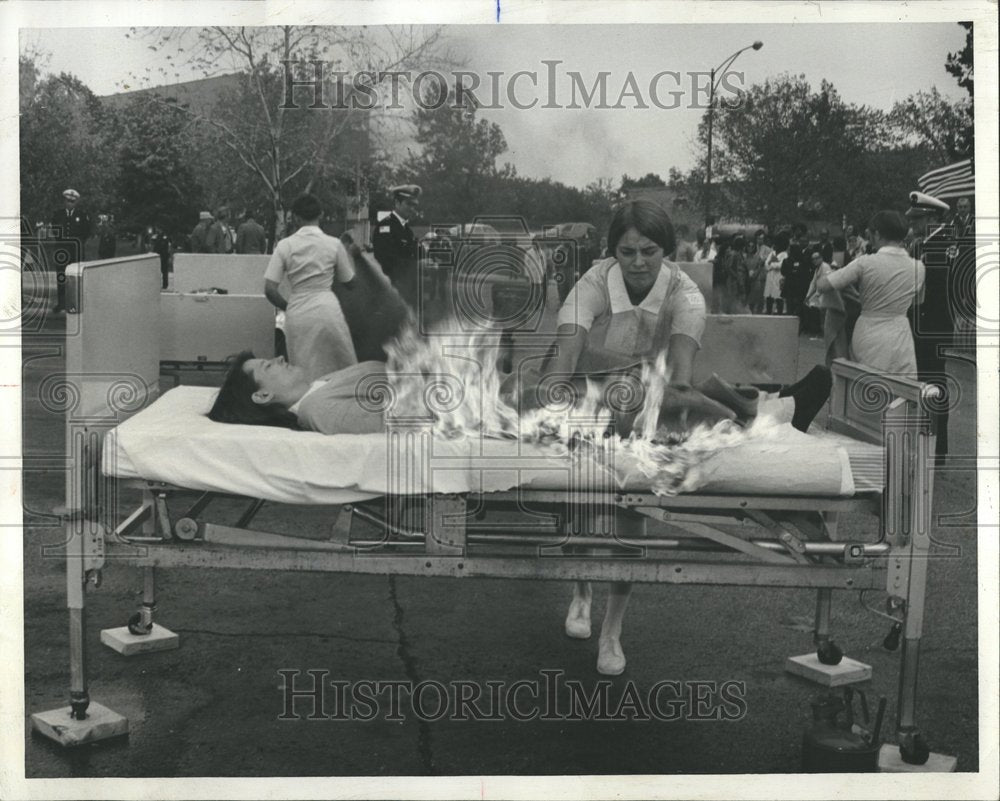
[[952, 181]]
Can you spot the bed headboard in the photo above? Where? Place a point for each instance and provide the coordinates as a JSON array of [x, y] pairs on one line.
[[112, 362]]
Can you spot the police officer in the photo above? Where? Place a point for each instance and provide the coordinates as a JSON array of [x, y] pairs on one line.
[[71, 229], [395, 245], [932, 321]]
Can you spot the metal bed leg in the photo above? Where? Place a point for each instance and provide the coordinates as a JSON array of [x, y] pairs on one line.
[[910, 442], [827, 650], [83, 721], [913, 753], [141, 635]]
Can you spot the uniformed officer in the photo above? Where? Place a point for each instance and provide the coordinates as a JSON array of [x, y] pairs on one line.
[[71, 229], [395, 245], [932, 321], [200, 232], [159, 243]]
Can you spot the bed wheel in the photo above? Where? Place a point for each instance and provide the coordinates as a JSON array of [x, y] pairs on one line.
[[829, 653], [913, 748], [186, 529], [136, 627]]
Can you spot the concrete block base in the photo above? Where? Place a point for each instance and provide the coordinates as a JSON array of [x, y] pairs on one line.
[[808, 666], [127, 644], [889, 761], [100, 724]]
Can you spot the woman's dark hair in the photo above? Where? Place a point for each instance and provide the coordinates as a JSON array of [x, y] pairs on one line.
[[782, 241], [307, 207], [648, 219], [891, 225], [235, 403]]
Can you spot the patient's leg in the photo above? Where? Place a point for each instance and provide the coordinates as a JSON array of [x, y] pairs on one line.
[[610, 657], [578, 617]]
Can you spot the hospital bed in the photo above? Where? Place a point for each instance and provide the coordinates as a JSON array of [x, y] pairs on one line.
[[464, 509]]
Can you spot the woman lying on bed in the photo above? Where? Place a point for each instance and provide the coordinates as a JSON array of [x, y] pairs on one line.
[[275, 393]]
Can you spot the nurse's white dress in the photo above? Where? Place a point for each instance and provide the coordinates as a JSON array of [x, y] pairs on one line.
[[316, 332]]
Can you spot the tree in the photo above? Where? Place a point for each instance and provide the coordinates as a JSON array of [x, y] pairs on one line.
[[960, 64], [456, 163], [788, 153], [649, 181], [65, 141], [930, 121], [287, 148], [156, 183]]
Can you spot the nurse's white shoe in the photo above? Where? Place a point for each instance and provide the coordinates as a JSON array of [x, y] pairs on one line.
[[610, 657], [578, 619]]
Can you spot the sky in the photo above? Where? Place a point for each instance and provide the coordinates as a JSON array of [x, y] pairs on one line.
[[870, 64]]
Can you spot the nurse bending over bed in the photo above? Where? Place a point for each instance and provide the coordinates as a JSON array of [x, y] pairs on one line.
[[633, 307]]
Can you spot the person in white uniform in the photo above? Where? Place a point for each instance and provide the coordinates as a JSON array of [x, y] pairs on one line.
[[316, 331], [630, 307], [888, 282]]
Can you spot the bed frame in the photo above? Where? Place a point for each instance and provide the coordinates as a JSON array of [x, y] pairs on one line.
[[777, 541]]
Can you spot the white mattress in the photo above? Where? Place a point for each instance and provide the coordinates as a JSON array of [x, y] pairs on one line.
[[172, 441]]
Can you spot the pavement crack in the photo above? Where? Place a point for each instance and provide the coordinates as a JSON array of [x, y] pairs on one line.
[[266, 634], [424, 746]]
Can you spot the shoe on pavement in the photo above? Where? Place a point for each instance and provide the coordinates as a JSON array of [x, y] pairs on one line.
[[578, 620], [610, 657]]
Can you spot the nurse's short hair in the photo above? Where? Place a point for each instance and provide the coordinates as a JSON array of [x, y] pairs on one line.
[[235, 403], [890, 225], [307, 207], [648, 218]]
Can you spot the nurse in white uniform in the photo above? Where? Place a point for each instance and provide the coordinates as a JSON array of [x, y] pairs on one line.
[[888, 282], [316, 332], [628, 308]]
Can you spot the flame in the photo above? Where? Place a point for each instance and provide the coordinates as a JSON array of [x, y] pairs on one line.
[[449, 381]]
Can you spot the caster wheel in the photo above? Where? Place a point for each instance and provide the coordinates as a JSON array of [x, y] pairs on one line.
[[914, 750], [135, 626], [829, 653], [891, 641]]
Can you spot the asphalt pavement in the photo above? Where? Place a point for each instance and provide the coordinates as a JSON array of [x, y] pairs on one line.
[[219, 705]]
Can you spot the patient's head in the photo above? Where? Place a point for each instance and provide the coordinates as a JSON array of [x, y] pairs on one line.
[[259, 392]]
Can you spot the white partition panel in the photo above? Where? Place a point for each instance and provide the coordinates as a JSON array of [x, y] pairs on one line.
[[112, 363], [749, 348], [209, 328], [237, 274]]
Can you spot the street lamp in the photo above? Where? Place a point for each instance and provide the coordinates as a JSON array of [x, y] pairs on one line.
[[720, 70]]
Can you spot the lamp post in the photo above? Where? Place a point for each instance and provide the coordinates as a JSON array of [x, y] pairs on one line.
[[720, 71]]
